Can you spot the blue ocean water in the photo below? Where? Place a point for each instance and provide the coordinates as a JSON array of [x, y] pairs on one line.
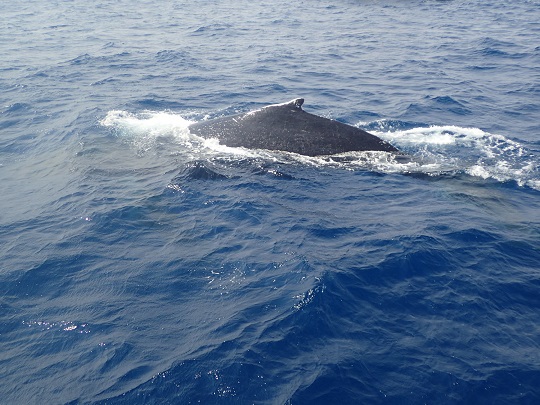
[[141, 264]]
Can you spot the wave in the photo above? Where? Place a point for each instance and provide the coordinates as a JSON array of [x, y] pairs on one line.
[[430, 150]]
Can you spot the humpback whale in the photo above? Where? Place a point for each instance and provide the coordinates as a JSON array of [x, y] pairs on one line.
[[287, 127]]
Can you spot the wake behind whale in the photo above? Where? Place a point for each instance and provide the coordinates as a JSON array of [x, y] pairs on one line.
[[287, 127]]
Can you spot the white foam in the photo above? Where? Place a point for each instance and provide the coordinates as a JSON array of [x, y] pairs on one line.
[[213, 145], [145, 130], [146, 123], [433, 135], [469, 150]]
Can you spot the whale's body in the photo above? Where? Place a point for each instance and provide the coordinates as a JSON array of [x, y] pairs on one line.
[[287, 127]]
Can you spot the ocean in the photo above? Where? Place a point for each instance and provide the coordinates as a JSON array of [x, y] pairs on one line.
[[142, 264]]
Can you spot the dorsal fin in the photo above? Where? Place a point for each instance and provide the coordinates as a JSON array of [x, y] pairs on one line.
[[296, 103]]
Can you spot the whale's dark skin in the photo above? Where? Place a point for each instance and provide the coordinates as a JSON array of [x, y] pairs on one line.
[[286, 127]]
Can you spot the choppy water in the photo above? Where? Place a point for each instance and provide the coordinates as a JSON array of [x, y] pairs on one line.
[[141, 264]]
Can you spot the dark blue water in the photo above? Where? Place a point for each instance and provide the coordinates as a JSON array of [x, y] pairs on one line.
[[143, 265]]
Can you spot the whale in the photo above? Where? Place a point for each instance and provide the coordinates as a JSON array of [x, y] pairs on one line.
[[287, 127]]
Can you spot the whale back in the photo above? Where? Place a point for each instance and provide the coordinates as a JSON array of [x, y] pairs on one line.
[[287, 127]]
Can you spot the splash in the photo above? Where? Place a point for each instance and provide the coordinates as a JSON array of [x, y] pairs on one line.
[[146, 130], [469, 150], [146, 123]]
